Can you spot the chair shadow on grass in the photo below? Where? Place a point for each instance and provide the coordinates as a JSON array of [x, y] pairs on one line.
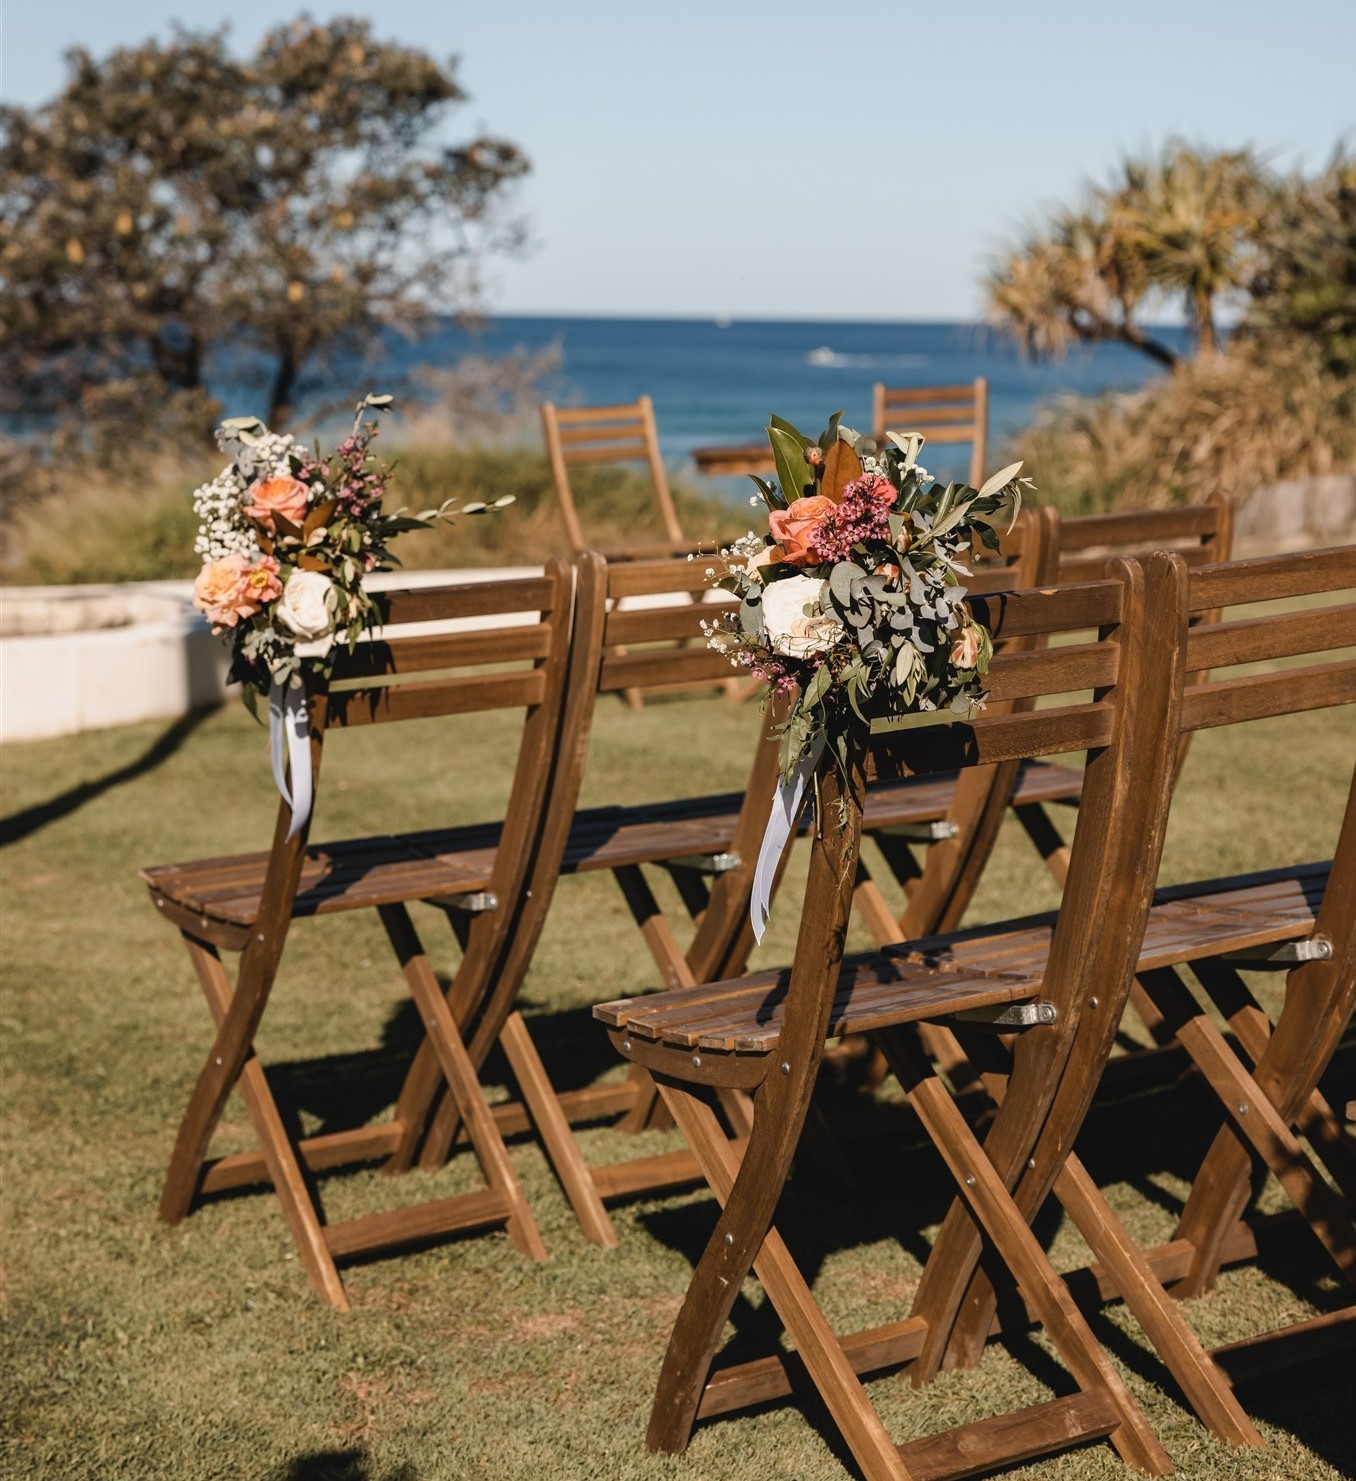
[[338, 1465], [21, 824]]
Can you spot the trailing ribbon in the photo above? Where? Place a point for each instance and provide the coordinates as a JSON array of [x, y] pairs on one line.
[[288, 724], [787, 806]]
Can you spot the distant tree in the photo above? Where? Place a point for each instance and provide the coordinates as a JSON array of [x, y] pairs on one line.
[[1305, 287], [174, 198], [1186, 225]]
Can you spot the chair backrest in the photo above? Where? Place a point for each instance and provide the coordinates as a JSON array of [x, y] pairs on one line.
[[605, 434], [1200, 533], [1113, 697], [943, 414]]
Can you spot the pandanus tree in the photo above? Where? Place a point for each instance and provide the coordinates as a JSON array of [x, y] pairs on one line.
[[1185, 225]]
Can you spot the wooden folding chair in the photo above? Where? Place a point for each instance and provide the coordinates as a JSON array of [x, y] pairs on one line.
[[1301, 918], [765, 1034], [610, 434], [943, 414], [508, 648], [1200, 534], [635, 626]]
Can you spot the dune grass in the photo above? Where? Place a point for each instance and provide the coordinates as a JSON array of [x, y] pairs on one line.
[[97, 526], [140, 1351]]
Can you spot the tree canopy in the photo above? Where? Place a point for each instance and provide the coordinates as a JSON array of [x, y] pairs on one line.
[[1187, 225], [176, 203]]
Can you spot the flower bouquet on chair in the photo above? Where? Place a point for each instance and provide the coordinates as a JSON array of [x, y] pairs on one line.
[[287, 536], [853, 601]]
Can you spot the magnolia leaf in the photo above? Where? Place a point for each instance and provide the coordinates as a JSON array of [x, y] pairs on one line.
[[318, 516], [841, 466], [312, 563], [782, 425], [1000, 480], [788, 452]]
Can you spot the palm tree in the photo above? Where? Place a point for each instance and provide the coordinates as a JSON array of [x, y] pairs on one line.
[[1191, 219]]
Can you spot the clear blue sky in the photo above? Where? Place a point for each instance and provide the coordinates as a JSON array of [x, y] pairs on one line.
[[685, 151]]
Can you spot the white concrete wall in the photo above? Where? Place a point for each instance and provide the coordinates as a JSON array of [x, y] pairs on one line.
[[78, 658]]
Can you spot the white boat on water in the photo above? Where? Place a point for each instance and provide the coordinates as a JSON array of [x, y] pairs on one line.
[[821, 356]]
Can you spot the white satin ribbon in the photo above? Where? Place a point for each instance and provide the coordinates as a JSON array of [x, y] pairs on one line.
[[787, 806], [288, 726]]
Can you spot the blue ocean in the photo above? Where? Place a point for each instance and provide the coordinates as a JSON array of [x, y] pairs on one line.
[[715, 381]]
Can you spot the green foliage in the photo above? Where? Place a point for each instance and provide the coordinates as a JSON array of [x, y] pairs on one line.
[[1188, 225], [100, 526], [295, 200], [1307, 286]]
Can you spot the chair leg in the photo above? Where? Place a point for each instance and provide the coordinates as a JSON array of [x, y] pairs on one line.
[[285, 1170], [815, 1342], [554, 1130], [991, 1206], [1256, 1122], [463, 1083]]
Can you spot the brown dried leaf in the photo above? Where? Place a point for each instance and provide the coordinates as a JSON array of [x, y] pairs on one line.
[[841, 466]]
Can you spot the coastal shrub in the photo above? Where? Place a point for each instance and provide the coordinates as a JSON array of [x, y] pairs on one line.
[[91, 526], [1231, 423]]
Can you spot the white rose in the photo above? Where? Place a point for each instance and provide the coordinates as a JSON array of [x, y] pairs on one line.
[[304, 611], [789, 630]]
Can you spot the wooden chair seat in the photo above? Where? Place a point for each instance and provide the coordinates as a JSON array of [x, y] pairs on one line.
[[987, 967]]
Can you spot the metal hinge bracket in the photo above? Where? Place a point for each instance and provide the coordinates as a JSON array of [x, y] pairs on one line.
[[933, 832], [474, 902], [1282, 953], [1006, 1017], [706, 863]]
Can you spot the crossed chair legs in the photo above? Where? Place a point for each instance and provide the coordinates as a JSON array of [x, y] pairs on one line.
[[288, 1163]]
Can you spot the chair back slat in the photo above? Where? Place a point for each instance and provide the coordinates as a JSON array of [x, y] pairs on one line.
[[1264, 696], [1262, 639], [667, 624], [468, 695], [469, 599], [1273, 577], [652, 668], [445, 651], [926, 750], [1063, 670]]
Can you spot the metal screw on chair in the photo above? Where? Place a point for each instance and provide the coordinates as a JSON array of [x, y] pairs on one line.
[[626, 1045], [970, 1181], [1092, 1002], [696, 1060], [1031, 1162], [784, 1067], [729, 1239], [1242, 1110]]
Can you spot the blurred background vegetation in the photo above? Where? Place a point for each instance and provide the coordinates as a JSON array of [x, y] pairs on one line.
[[180, 216]]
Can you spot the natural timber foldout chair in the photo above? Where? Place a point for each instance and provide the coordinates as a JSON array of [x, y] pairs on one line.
[[1300, 919], [577, 435], [943, 414], [765, 1034], [507, 648], [707, 845]]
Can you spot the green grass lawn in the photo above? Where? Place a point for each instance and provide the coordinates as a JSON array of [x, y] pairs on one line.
[[135, 1350]]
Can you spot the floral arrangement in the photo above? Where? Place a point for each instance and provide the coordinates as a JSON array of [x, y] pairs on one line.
[[286, 537], [853, 601]]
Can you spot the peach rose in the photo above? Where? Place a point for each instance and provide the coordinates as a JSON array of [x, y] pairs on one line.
[[769, 555], [277, 496], [261, 581], [222, 591], [965, 650], [794, 528]]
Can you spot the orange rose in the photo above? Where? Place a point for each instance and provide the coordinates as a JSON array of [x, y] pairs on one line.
[[221, 592], [283, 496], [794, 528]]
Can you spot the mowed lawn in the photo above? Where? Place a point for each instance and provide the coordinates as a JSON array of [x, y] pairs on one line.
[[136, 1350]]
